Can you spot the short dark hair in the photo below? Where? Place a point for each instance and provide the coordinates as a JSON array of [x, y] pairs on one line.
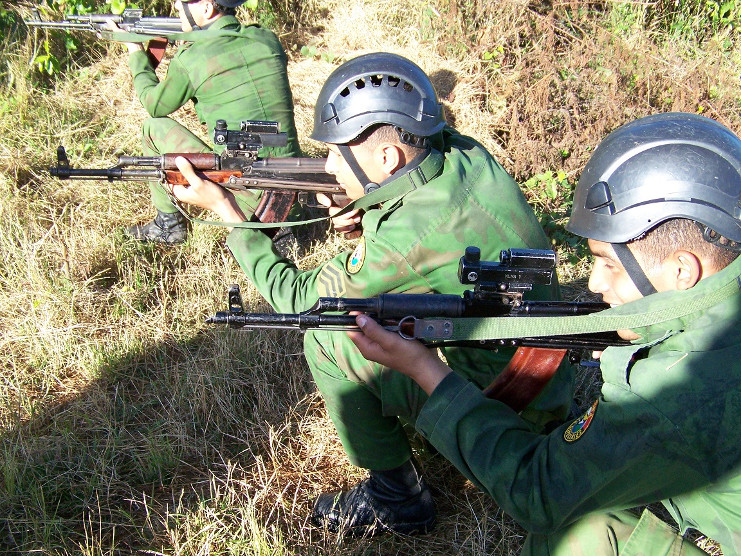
[[223, 10], [386, 133], [681, 233]]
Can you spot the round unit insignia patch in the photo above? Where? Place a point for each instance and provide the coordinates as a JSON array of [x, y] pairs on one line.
[[356, 260], [578, 427]]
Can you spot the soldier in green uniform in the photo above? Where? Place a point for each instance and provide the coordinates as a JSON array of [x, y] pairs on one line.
[[659, 202], [237, 74], [442, 191]]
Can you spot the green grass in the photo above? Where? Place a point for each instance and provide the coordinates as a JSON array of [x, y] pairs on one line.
[[127, 424]]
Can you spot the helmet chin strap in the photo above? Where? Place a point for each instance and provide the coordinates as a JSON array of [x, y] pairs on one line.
[[369, 186], [352, 162], [634, 270], [189, 16]]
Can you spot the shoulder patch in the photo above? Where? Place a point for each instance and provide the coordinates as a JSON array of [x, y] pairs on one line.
[[579, 427], [357, 258]]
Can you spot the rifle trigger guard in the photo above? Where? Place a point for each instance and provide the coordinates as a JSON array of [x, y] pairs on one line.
[[429, 329]]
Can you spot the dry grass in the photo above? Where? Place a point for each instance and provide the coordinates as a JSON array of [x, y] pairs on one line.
[[126, 425]]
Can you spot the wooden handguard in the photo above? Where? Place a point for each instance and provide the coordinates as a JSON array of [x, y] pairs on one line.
[[525, 376], [175, 177], [274, 205], [199, 161]]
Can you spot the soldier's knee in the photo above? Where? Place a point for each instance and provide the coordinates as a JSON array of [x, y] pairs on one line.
[[154, 130]]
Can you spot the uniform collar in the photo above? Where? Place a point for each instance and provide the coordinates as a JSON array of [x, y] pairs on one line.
[[222, 22]]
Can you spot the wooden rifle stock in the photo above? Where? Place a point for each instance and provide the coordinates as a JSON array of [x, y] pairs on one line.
[[525, 376], [155, 50]]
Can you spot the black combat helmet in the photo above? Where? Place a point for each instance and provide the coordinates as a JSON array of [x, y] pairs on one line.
[[671, 165], [378, 88], [225, 3]]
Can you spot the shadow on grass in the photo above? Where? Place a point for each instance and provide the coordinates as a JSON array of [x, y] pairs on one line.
[[219, 443], [113, 466]]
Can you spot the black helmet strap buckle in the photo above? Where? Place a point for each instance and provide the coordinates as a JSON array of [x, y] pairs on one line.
[[352, 162], [711, 236], [411, 139], [634, 270]]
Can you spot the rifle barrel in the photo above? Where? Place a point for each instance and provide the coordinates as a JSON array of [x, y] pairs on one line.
[[298, 321], [59, 25], [110, 174], [558, 308], [130, 21]]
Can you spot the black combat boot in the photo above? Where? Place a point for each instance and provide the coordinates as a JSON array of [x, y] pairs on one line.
[[167, 227], [394, 500]]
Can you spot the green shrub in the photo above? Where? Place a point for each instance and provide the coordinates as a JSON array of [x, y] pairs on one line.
[[696, 20]]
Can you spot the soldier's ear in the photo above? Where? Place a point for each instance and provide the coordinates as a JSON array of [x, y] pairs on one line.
[[209, 10], [685, 268], [390, 157]]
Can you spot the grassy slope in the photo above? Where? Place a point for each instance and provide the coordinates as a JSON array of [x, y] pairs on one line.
[[125, 423]]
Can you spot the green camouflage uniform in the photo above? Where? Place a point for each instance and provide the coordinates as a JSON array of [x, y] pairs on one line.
[[667, 427], [228, 78], [411, 245]]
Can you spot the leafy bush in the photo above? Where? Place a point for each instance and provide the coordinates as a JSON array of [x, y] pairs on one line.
[[686, 19]]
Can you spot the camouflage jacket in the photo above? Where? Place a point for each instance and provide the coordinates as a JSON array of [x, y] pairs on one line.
[[232, 78], [667, 427], [413, 243]]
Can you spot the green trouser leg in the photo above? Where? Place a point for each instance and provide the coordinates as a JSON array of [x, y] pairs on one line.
[[615, 533], [364, 400], [165, 135]]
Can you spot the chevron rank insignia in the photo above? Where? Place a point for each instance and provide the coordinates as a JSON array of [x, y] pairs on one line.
[[331, 282]]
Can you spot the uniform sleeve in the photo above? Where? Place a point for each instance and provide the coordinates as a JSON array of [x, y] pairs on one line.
[[371, 269], [620, 455], [160, 98]]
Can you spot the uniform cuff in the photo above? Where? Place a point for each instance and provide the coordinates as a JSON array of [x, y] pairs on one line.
[[451, 399], [139, 61]]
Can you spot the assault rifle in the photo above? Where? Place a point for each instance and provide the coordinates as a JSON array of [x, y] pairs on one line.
[[498, 291], [238, 168], [130, 20]]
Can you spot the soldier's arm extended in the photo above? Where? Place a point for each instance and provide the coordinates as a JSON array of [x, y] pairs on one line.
[[620, 453], [160, 98]]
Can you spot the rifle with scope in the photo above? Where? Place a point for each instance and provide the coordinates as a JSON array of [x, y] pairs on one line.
[[238, 168], [130, 20], [498, 291], [432, 318]]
